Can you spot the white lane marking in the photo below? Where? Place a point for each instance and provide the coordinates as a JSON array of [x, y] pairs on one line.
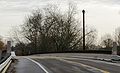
[[38, 65]]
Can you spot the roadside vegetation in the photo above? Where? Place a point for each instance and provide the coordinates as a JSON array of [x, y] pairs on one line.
[[1, 47], [52, 29]]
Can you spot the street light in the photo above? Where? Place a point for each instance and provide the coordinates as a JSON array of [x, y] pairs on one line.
[[83, 11]]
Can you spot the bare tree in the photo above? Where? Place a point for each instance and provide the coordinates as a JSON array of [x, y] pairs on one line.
[[50, 29], [1, 47], [107, 41], [91, 38], [117, 36]]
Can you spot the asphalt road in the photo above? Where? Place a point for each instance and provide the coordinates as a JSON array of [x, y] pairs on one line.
[[108, 67], [26, 66], [85, 55], [65, 64], [58, 66]]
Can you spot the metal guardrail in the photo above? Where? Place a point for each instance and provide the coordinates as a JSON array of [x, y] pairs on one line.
[[5, 61], [5, 58]]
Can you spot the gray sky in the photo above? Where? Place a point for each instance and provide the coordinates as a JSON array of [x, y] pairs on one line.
[[104, 15]]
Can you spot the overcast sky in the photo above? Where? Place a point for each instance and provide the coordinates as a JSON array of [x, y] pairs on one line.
[[104, 15]]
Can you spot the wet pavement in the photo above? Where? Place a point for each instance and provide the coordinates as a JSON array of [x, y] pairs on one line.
[[60, 66], [26, 66], [109, 67], [81, 55], [66, 63]]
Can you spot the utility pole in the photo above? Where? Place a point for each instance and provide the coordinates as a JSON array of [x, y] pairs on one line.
[[83, 11]]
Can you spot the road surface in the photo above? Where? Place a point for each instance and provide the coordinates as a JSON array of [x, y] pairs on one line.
[[65, 64], [26, 66]]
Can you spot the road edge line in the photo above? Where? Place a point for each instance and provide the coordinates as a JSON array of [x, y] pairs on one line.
[[38, 65]]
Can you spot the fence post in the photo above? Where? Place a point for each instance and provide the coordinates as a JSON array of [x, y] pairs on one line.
[[114, 49], [8, 46]]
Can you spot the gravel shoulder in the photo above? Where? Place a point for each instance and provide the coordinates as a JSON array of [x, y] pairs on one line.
[[11, 68]]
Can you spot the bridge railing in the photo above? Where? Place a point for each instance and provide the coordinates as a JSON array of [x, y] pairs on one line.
[[5, 61]]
